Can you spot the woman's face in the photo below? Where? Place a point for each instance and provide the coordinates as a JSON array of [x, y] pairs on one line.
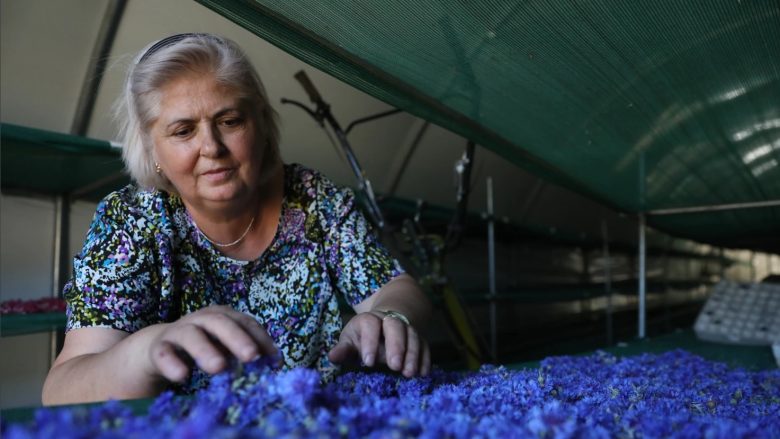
[[206, 142]]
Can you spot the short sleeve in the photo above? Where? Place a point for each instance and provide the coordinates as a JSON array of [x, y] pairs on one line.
[[359, 263], [112, 280]]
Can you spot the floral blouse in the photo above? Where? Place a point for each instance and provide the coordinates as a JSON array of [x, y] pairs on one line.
[[144, 262]]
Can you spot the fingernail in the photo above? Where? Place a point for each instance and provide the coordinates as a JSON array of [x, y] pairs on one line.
[[216, 363], [395, 362], [368, 359]]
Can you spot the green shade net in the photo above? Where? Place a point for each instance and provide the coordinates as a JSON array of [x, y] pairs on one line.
[[51, 163], [639, 105]]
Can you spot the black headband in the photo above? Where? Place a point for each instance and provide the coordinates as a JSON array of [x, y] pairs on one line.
[[167, 41]]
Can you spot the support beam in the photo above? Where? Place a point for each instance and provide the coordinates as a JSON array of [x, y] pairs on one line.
[[530, 200], [607, 281], [404, 154], [752, 266], [97, 67], [60, 261], [715, 207], [492, 270], [642, 271]]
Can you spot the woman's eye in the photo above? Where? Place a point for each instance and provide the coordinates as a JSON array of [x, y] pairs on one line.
[[182, 132], [231, 122]]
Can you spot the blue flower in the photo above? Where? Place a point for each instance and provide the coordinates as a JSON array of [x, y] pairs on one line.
[[674, 394]]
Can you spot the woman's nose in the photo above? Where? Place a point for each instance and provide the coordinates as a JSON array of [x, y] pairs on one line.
[[211, 142]]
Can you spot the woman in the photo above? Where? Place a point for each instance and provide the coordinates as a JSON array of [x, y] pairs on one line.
[[220, 251]]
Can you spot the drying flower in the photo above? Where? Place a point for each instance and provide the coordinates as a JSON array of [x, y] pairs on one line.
[[675, 394]]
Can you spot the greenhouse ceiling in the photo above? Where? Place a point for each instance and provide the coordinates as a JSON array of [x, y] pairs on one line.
[[643, 106]]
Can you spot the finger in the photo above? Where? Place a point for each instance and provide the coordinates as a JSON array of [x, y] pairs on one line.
[[265, 343], [369, 331], [412, 356], [197, 344], [169, 363], [425, 365], [344, 352], [395, 342], [228, 330]]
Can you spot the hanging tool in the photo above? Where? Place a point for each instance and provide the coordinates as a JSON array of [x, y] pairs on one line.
[[323, 116]]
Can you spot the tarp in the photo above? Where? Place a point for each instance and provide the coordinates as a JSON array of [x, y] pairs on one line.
[[640, 105]]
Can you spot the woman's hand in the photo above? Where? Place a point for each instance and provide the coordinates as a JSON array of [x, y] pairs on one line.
[[207, 337], [102, 363], [377, 338]]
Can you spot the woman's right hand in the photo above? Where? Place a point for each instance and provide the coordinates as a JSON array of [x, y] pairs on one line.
[[97, 363], [208, 337]]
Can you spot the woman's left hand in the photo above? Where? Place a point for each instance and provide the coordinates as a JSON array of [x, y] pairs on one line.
[[377, 338]]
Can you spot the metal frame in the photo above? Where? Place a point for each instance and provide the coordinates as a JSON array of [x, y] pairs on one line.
[[406, 150], [83, 115], [322, 114], [714, 208], [492, 269], [642, 275], [607, 281], [97, 66], [60, 249], [678, 211]]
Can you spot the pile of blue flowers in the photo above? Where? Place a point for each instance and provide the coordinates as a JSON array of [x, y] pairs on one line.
[[675, 394]]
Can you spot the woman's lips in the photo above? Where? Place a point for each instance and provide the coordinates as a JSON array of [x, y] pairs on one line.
[[218, 174]]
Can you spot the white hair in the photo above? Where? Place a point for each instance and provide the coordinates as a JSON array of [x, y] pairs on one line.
[[162, 62]]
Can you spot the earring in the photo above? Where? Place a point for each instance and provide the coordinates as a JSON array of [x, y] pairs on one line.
[[157, 168]]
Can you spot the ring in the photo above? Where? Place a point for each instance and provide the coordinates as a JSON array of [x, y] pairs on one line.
[[396, 315]]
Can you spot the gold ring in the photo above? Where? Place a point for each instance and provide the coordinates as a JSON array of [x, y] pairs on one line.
[[396, 315]]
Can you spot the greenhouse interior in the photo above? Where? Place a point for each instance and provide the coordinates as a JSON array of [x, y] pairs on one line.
[[562, 219]]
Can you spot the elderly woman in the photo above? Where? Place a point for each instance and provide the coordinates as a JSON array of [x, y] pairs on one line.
[[220, 251]]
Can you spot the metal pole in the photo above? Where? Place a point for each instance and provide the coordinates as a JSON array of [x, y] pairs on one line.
[[642, 286], [587, 301], [97, 67], [408, 146], [82, 117], [715, 207], [607, 280], [752, 266], [492, 269], [56, 245], [667, 290], [536, 189], [364, 184], [59, 261], [323, 114]]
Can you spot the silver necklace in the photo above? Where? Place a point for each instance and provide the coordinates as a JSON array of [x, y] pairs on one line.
[[229, 244]]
